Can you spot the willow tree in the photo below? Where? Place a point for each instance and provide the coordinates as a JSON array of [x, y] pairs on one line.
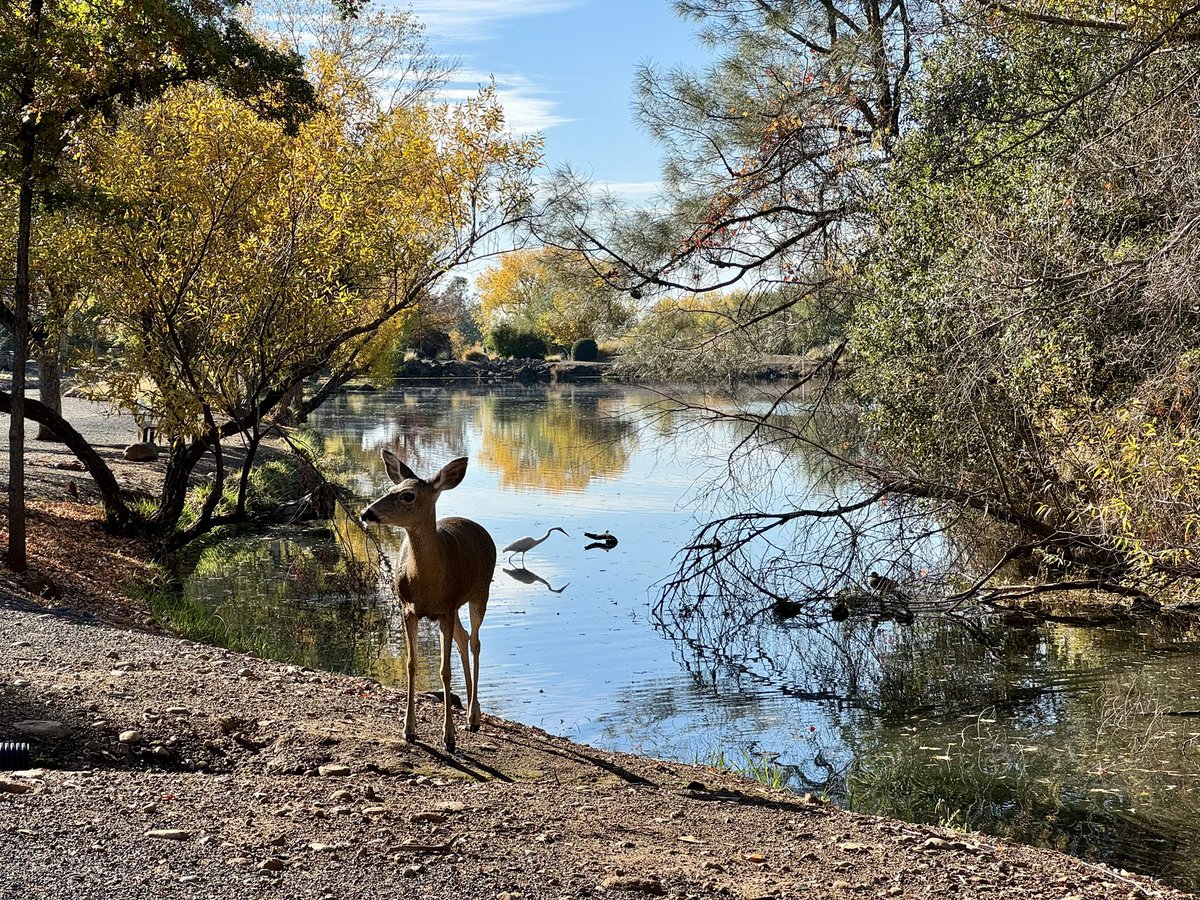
[[246, 259], [552, 294]]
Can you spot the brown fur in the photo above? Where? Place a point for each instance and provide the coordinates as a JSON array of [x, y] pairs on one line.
[[448, 564]]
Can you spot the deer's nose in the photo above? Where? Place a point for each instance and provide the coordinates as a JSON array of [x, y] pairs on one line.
[[367, 515]]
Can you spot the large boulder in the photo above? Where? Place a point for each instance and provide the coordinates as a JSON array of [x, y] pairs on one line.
[[141, 451]]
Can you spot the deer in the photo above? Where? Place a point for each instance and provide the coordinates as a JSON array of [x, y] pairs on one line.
[[448, 563]]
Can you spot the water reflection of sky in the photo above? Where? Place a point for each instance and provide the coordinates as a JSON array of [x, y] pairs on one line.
[[1029, 733]]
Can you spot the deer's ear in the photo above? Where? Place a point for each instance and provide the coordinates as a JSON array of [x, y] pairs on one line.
[[451, 475], [396, 469]]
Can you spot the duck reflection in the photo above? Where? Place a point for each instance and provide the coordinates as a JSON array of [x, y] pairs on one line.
[[526, 577]]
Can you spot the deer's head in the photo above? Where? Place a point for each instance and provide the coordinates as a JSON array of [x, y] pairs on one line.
[[411, 500]]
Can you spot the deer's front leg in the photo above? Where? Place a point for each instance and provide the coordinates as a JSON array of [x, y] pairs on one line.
[[410, 642], [447, 624]]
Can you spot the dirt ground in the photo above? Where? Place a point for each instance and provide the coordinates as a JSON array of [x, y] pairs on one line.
[[167, 769]]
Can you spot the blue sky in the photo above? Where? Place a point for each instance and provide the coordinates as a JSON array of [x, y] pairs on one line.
[[566, 68]]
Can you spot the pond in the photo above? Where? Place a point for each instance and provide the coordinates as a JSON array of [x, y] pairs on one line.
[[1083, 739]]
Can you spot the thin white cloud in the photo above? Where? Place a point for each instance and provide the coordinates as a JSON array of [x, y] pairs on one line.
[[634, 192], [528, 107], [474, 20]]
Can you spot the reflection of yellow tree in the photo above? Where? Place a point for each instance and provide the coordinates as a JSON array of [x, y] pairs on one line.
[[561, 447]]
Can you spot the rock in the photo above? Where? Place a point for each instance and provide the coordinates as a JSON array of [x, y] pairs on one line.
[[272, 864], [450, 806], [374, 810], [42, 728], [169, 834], [131, 736], [141, 451], [20, 682], [14, 787], [179, 711], [341, 796], [239, 861], [322, 848], [188, 879], [335, 770]]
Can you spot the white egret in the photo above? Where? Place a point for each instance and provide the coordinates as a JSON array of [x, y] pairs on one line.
[[524, 544]]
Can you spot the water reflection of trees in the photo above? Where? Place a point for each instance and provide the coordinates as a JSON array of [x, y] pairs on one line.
[[1056, 735], [554, 439], [558, 442]]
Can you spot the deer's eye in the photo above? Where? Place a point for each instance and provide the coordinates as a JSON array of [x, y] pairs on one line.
[[408, 497]]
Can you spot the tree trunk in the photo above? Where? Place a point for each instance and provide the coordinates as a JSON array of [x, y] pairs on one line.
[[106, 483], [49, 386], [181, 460]]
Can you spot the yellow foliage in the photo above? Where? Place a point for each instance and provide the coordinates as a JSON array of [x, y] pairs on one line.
[[242, 256]]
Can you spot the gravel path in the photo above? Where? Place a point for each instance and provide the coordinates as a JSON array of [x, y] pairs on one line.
[[184, 771]]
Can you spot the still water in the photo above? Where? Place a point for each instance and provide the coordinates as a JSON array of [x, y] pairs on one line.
[[1076, 738]]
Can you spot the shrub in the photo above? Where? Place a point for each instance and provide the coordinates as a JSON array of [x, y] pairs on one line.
[[585, 350], [431, 343], [508, 341], [474, 354]]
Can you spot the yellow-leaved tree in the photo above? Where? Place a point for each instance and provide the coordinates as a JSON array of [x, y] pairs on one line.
[[551, 293], [244, 259]]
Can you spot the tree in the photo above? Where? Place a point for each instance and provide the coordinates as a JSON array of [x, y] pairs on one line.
[[246, 260], [986, 207], [551, 294], [61, 61]]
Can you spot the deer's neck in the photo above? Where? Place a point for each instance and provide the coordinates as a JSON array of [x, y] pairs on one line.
[[425, 551]]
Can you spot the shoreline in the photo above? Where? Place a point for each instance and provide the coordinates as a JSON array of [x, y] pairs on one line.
[[184, 770]]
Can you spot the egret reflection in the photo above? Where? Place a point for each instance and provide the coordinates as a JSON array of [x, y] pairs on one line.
[[527, 577]]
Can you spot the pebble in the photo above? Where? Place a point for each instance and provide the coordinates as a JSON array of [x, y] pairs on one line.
[[150, 808], [239, 861], [272, 864], [342, 810], [341, 796], [245, 673], [374, 810], [322, 848], [132, 736], [179, 711], [169, 834], [188, 879], [334, 770], [20, 682]]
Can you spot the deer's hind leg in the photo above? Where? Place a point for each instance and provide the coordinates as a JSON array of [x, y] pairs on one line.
[[460, 639]]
